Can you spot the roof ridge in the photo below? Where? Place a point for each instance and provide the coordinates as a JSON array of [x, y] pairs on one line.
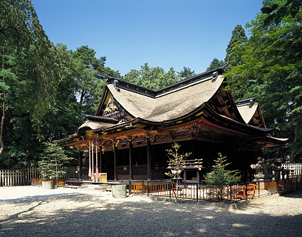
[[208, 75]]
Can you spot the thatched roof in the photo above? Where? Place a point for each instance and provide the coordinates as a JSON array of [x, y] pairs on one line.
[[167, 106], [247, 111], [200, 101]]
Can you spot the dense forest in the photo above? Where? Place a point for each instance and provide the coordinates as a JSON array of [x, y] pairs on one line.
[[45, 89]]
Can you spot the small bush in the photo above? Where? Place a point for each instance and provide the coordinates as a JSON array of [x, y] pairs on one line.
[[219, 173]]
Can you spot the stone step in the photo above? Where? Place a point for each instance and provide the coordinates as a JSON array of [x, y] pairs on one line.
[[102, 187]]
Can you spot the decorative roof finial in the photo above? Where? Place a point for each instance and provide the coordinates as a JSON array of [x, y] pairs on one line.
[[214, 75], [115, 85]]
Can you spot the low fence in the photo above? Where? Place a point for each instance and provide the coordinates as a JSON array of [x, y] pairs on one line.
[[294, 168], [11, 178], [31, 173], [15, 178], [221, 193]]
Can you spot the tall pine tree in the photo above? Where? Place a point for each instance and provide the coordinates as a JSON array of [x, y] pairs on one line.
[[238, 37], [216, 63], [271, 69]]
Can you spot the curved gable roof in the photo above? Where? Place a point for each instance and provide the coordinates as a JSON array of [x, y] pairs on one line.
[[247, 111], [167, 106], [251, 112]]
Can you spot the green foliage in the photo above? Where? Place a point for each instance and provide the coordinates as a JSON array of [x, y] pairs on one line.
[[53, 161], [271, 69], [186, 73], [216, 63], [62, 118], [22, 148], [32, 67], [89, 78], [277, 10], [176, 160], [33, 57], [219, 173], [238, 38], [153, 78]]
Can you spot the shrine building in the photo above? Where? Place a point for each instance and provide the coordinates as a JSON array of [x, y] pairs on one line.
[[129, 133]]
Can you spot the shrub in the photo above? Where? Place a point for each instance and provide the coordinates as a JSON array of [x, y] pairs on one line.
[[219, 173]]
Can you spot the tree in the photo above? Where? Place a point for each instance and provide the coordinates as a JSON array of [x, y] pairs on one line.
[[176, 161], [38, 86], [23, 146], [219, 173], [91, 72], [238, 37], [153, 78], [216, 63], [65, 115], [29, 64], [53, 161], [277, 10], [186, 73], [271, 69]]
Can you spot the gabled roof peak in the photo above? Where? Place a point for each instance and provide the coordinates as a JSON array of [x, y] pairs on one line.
[[246, 101], [199, 78]]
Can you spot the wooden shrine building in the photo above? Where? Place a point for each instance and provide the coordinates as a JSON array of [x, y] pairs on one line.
[[133, 126]]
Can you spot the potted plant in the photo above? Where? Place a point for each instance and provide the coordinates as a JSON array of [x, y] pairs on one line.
[[176, 161], [51, 164]]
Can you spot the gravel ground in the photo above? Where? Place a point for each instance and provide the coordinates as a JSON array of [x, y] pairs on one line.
[[67, 212]]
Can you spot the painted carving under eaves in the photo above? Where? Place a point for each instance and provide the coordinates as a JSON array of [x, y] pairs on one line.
[[114, 110]]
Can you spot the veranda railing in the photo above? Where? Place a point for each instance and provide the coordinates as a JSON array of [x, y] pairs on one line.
[[221, 193]]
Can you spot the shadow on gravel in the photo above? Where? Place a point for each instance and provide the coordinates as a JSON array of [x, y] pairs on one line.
[[89, 215], [33, 197], [297, 194]]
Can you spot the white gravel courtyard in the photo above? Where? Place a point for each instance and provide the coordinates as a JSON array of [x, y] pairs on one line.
[[33, 211]]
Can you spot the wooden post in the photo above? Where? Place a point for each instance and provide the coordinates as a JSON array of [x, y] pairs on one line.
[[114, 161], [92, 163], [130, 160], [197, 186], [148, 159], [100, 159], [96, 161], [89, 172], [80, 164]]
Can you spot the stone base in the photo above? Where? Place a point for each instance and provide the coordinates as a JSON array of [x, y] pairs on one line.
[[119, 191], [47, 184]]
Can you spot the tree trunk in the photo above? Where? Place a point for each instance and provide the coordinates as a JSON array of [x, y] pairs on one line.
[[3, 113], [1, 130]]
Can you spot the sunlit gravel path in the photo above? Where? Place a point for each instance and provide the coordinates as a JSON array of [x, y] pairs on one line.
[[66, 212]]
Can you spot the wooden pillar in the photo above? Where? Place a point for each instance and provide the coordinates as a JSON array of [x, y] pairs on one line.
[[114, 161], [96, 161], [130, 159], [92, 162], [100, 159], [198, 176], [149, 159], [89, 151], [80, 164]]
